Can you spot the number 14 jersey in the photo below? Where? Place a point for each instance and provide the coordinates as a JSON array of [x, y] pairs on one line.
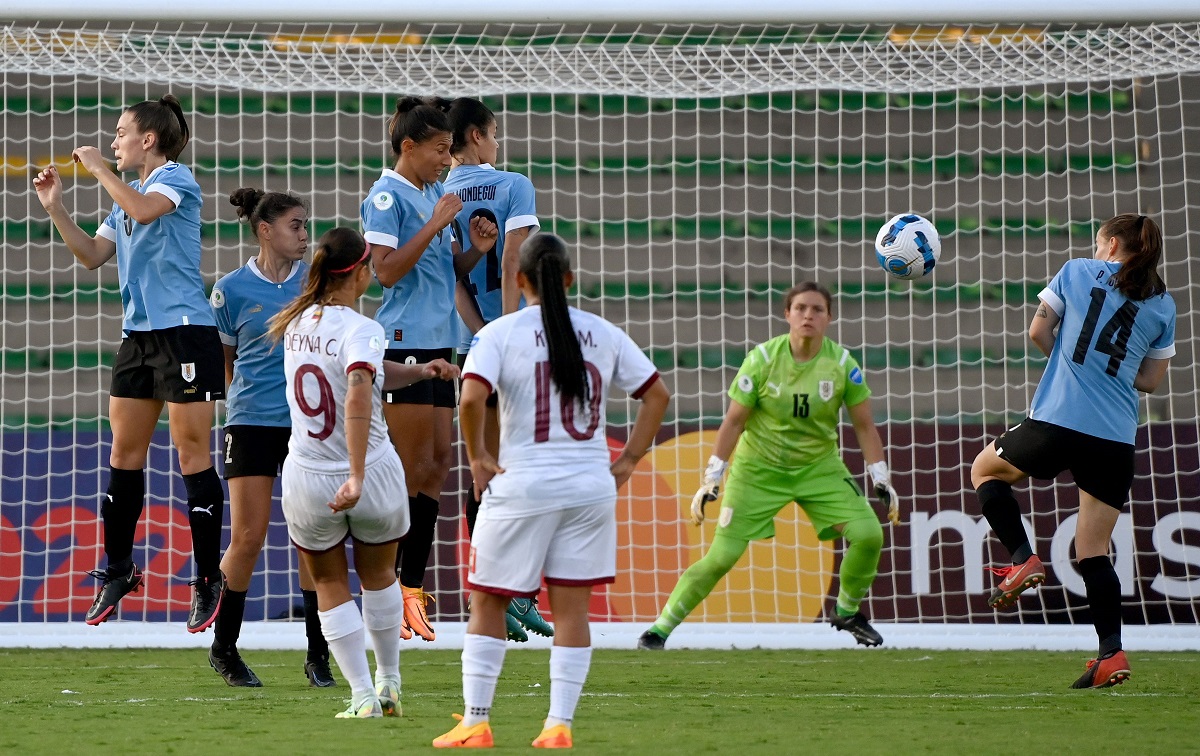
[[1102, 340], [320, 349], [555, 453]]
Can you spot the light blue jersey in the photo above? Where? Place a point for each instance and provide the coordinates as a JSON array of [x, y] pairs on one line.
[[243, 302], [158, 264], [1102, 340], [506, 199], [418, 311]]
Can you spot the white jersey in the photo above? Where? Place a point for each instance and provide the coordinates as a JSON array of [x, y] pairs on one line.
[[320, 349], [555, 453]]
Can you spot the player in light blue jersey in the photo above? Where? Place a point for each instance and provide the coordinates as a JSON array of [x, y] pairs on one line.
[[170, 351], [257, 419], [1115, 337], [507, 200], [406, 219]]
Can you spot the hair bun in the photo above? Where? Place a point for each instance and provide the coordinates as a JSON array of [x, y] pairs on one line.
[[245, 200], [407, 103]]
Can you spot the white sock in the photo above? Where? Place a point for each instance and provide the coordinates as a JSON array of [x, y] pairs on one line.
[[342, 627], [382, 614], [568, 671], [482, 659]]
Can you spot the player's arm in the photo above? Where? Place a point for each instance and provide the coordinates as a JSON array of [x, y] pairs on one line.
[[481, 233], [510, 263], [1150, 374], [472, 411], [1041, 328], [143, 208], [397, 375], [651, 411], [871, 445], [360, 382], [732, 427], [91, 251], [465, 304], [230, 356], [394, 263]]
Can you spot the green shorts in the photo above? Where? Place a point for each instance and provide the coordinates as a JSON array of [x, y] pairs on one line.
[[755, 493]]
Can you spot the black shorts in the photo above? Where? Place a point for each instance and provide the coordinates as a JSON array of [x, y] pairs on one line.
[[180, 364], [1101, 467], [255, 450], [431, 391]]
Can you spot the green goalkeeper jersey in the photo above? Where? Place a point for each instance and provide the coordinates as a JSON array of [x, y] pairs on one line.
[[796, 405]]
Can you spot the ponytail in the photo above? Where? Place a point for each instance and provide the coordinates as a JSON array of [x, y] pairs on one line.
[[164, 117], [339, 254], [257, 206], [1141, 241], [544, 263]]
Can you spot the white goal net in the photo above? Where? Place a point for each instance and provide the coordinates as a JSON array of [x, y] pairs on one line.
[[697, 171]]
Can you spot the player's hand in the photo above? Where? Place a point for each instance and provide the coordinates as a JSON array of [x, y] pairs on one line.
[[48, 186], [91, 159], [713, 474], [347, 495], [884, 491], [622, 468], [439, 368], [483, 233], [483, 469], [446, 208]]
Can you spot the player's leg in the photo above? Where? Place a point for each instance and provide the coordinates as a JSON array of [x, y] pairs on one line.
[[133, 422], [316, 661], [191, 434], [570, 660], [694, 585], [383, 612]]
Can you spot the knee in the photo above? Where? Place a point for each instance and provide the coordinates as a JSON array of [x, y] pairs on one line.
[[866, 534], [246, 542]]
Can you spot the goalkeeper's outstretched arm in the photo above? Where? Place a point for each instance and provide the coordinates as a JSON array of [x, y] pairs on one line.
[[872, 450], [727, 437]]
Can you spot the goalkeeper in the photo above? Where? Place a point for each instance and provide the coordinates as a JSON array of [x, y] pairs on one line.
[[786, 401]]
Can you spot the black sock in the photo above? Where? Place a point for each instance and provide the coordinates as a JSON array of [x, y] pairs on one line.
[[206, 511], [121, 510], [472, 510], [318, 647], [423, 511], [1104, 598], [228, 627], [1000, 508]]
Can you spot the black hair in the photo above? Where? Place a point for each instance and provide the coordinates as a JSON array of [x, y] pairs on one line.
[[1141, 240], [258, 206], [544, 263], [418, 119], [340, 252], [164, 117], [466, 114], [806, 286]]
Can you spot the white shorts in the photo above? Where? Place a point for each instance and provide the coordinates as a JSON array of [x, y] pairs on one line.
[[576, 546], [380, 516]]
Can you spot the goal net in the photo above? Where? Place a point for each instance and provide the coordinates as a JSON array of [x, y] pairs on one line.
[[696, 171]]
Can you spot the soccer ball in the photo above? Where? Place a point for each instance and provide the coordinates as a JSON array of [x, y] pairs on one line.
[[907, 247]]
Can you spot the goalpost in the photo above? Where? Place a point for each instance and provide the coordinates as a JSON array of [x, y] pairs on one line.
[[698, 159]]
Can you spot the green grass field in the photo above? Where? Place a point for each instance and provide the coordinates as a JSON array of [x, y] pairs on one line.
[[685, 702]]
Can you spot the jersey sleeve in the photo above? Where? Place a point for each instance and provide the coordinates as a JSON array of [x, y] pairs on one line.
[[108, 229], [363, 348], [486, 355], [633, 372], [1164, 346], [857, 390], [175, 183], [749, 378], [1054, 295], [522, 207], [222, 313], [381, 218]]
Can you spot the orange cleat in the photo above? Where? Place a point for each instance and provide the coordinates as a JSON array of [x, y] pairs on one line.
[[1104, 672], [477, 736], [558, 736], [1016, 580], [415, 618]]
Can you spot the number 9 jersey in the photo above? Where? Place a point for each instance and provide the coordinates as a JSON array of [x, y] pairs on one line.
[[320, 349], [1102, 339], [555, 453]]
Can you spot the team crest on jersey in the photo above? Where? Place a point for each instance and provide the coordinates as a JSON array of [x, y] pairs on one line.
[[825, 390], [254, 309], [188, 369], [856, 376], [217, 299], [382, 201], [746, 384]]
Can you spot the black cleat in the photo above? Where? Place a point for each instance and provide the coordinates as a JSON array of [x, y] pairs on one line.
[[229, 664], [857, 625], [318, 672], [651, 641], [206, 602], [112, 590]]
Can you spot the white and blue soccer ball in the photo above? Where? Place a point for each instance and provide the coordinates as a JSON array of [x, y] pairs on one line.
[[908, 247]]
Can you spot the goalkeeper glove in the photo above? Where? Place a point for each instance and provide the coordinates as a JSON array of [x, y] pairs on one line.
[[881, 480], [711, 488]]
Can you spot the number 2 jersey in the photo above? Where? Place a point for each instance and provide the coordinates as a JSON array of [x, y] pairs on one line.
[[797, 405], [320, 348], [1102, 339], [555, 453]]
